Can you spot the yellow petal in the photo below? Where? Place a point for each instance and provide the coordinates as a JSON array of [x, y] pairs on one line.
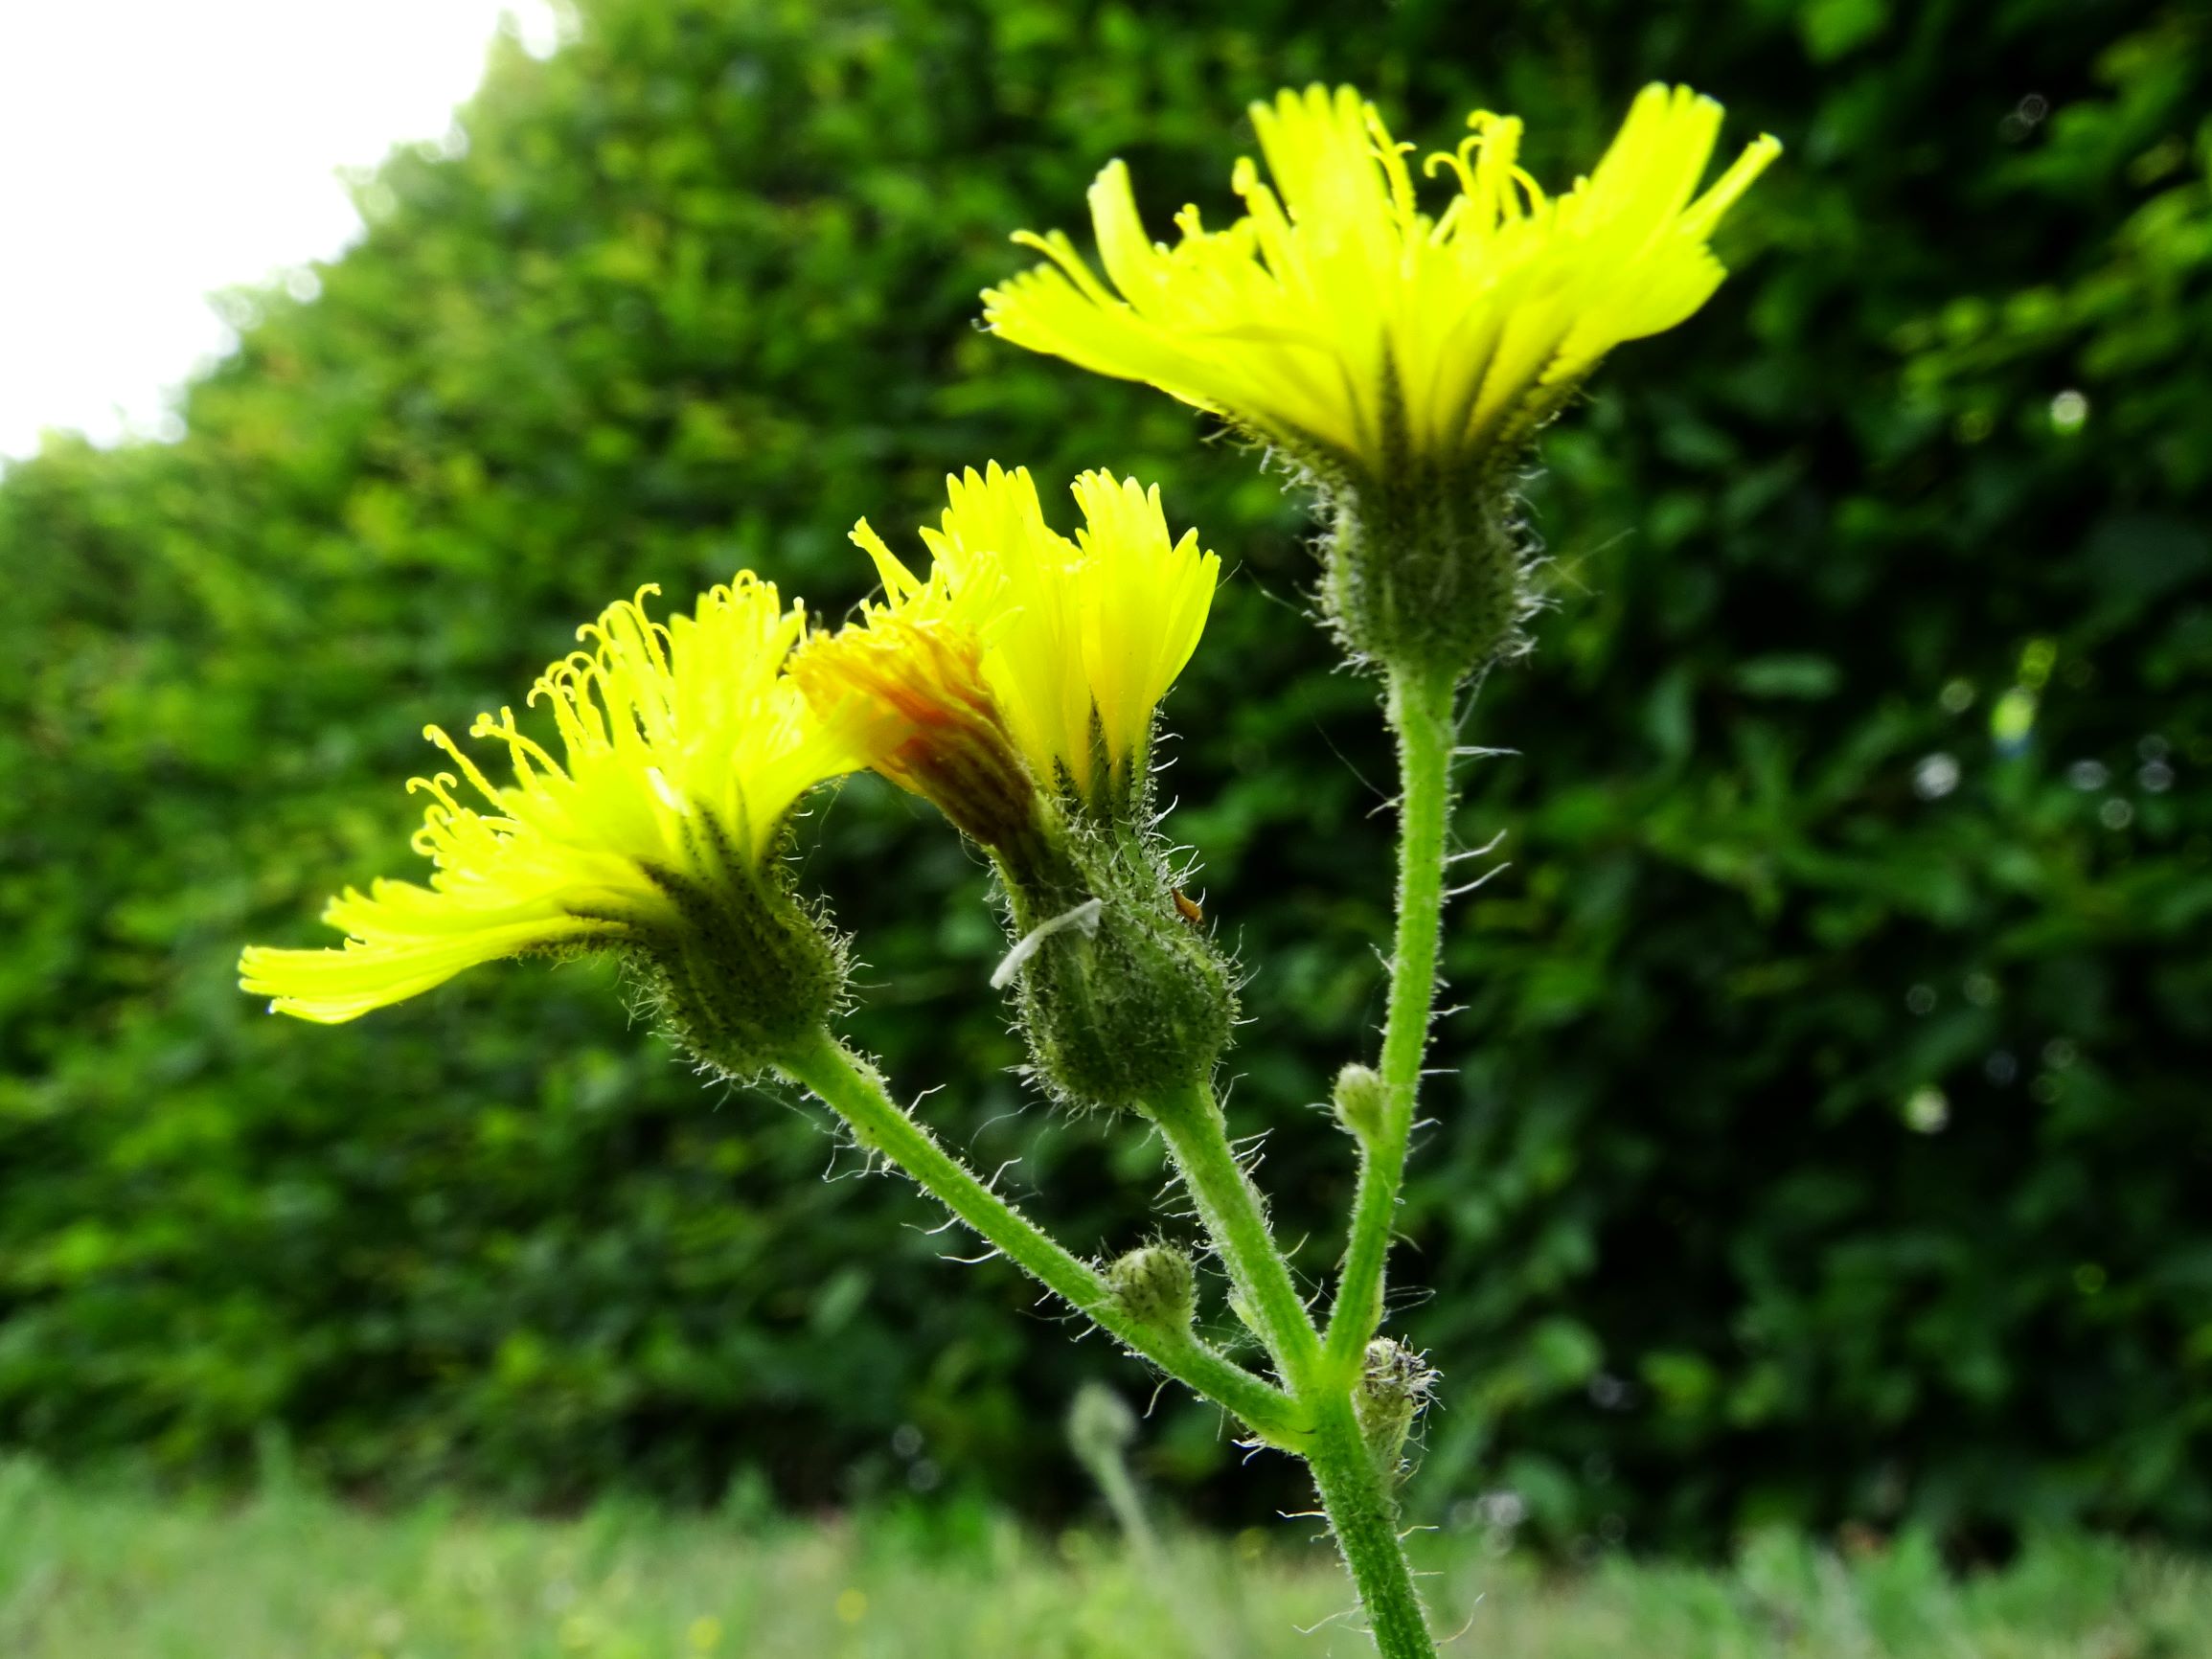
[[1339, 320]]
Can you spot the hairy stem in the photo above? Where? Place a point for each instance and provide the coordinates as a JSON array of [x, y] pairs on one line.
[[855, 1091], [1421, 713], [1363, 1513], [1230, 1208], [1354, 1489]]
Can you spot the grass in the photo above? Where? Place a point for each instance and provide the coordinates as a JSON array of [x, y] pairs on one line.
[[91, 1571]]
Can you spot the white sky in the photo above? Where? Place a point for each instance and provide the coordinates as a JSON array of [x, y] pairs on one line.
[[153, 151]]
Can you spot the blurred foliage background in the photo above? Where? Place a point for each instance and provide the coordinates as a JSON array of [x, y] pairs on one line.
[[1825, 1138]]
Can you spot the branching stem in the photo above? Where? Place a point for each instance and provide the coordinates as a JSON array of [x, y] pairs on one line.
[[855, 1091], [1312, 1414], [1234, 1217], [1362, 1511]]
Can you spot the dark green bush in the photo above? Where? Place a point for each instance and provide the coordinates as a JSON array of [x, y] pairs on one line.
[[1828, 1133]]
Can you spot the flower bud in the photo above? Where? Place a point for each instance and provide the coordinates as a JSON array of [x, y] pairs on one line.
[[1361, 1098], [1100, 1429], [1129, 1012], [1394, 1386], [1156, 1285], [1133, 1005]]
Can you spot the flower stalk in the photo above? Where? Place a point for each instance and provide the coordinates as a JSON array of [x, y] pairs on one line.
[[1234, 1218], [1420, 711], [1363, 1514], [857, 1093]]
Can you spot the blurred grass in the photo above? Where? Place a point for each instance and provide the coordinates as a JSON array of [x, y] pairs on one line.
[[91, 1570]]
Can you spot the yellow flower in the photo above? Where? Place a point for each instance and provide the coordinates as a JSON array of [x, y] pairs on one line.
[[1338, 321], [1025, 662], [684, 750]]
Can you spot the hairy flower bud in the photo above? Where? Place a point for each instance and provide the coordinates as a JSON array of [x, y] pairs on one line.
[[1394, 1386], [1134, 1004], [1156, 1285], [1359, 1099]]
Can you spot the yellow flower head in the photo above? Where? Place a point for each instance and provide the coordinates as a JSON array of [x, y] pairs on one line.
[[1025, 662], [1340, 320], [684, 749]]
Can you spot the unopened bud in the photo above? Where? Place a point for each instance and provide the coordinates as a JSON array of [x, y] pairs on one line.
[[1359, 1099], [1122, 1001], [1155, 1287], [1394, 1385]]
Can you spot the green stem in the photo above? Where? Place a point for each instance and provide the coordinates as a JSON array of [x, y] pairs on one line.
[[855, 1091], [1230, 1207], [1421, 713], [1364, 1514], [1355, 1491]]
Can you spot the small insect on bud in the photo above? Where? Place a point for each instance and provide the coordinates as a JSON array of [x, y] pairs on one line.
[[1394, 1386], [1123, 1000], [1359, 1099], [1156, 1285]]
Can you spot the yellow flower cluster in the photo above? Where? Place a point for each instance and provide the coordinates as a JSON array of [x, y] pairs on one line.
[[1015, 683], [1338, 321], [1026, 660]]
